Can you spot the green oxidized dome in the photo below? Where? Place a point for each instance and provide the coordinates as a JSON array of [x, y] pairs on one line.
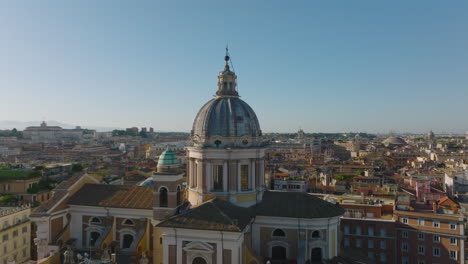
[[168, 157]]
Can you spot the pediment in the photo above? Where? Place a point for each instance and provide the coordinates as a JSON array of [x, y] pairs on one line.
[[198, 246]]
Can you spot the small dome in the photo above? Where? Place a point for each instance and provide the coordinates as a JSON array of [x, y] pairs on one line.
[[393, 141], [148, 182], [226, 117], [168, 157]]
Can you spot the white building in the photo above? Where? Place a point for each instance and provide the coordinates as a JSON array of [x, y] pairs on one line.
[[52, 134]]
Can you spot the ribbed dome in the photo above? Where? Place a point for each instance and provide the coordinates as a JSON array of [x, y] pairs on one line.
[[226, 117], [168, 157]]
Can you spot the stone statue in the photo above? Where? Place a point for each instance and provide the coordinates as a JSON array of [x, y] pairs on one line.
[[144, 259], [106, 256], [69, 256]]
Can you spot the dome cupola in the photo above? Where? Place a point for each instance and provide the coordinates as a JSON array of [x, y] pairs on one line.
[[168, 161], [226, 120]]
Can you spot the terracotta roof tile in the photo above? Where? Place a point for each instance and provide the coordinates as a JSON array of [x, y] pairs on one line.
[[296, 205], [118, 196], [214, 214]]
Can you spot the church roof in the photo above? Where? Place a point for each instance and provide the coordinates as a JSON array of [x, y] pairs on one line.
[[117, 196], [220, 215], [215, 214], [296, 205]]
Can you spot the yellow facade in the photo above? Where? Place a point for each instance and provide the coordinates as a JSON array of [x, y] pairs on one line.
[[15, 234]]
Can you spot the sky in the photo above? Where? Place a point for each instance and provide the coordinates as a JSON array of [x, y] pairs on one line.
[[323, 66]]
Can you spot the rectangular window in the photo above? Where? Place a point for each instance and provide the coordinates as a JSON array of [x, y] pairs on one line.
[[358, 230], [383, 244], [436, 224], [346, 242], [383, 257], [405, 260], [370, 255], [370, 231], [244, 171], [358, 243], [453, 240], [404, 234], [217, 177], [383, 232], [421, 222], [370, 244], [453, 254], [346, 230], [5, 237], [421, 236], [405, 220], [436, 238], [15, 233], [421, 250], [404, 247], [436, 252], [193, 182], [25, 229], [453, 226]]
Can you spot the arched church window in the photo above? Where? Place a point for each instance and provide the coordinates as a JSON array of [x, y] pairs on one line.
[[244, 173], [163, 197], [316, 234], [279, 233], [217, 142], [128, 222], [178, 198], [127, 241], [217, 177], [199, 260]]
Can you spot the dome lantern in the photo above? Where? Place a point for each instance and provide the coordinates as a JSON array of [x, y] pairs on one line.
[[227, 85]]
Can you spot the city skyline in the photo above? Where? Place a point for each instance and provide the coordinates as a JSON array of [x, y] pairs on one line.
[[333, 67]]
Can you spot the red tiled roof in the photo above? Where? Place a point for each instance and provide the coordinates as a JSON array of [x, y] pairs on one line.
[[118, 196]]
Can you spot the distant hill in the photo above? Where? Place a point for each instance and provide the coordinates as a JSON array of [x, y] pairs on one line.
[[20, 125]]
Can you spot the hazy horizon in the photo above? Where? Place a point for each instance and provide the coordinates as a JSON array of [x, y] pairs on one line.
[[10, 124], [344, 66]]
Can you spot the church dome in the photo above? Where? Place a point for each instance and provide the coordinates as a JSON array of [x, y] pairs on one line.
[[168, 161], [226, 120], [393, 141], [168, 157], [226, 117]]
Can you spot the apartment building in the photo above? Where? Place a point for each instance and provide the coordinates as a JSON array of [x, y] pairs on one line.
[[15, 234]]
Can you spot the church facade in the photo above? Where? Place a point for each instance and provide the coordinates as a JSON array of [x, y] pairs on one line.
[[232, 217], [216, 211]]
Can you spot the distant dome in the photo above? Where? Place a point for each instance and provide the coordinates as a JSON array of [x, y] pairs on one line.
[[226, 117], [393, 141]]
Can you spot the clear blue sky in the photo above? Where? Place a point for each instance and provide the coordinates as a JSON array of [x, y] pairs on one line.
[[324, 66]]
